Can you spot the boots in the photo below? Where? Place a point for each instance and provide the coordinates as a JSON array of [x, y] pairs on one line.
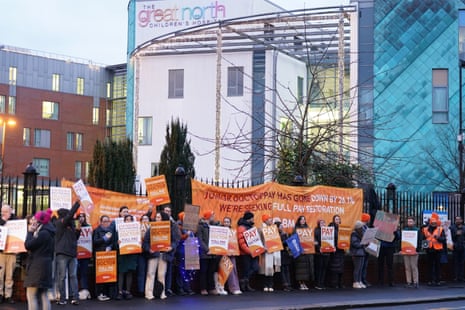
[[243, 285], [248, 287]]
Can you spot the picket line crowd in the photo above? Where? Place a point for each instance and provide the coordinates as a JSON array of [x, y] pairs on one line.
[[51, 243]]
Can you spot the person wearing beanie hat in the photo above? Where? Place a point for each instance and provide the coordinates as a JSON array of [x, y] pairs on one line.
[[208, 262], [40, 245], [248, 263], [357, 250], [434, 237], [269, 262]]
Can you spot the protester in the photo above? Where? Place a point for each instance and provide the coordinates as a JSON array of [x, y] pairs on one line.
[[66, 254], [141, 258], [366, 219], [7, 262], [233, 279], [83, 264], [321, 259], [357, 250], [269, 263], [248, 264], [411, 259], [169, 262], [208, 263], [433, 237], [386, 257], [336, 261], [157, 261], [183, 276], [304, 270], [104, 240], [40, 246], [286, 259], [127, 265], [458, 252]]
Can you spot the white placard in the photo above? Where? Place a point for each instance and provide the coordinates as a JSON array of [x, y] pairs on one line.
[[60, 198]]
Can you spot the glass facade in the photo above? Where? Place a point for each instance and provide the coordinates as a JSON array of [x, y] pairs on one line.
[[411, 39]]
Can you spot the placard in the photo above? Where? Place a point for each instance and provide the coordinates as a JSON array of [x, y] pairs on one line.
[[191, 254], [343, 237], [160, 236], [252, 237], [271, 238], [218, 240], [327, 239], [409, 242], [387, 224], [17, 231], [60, 198], [86, 201], [105, 267], [191, 217], [3, 237], [157, 190], [84, 243], [369, 235], [306, 239], [129, 238], [373, 247], [224, 270]]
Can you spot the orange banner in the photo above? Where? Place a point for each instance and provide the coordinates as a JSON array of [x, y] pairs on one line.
[[105, 266], [108, 203], [283, 202]]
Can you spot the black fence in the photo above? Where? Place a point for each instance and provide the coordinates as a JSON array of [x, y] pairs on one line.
[[30, 193]]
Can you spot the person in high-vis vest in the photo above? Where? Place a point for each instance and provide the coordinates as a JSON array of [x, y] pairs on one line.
[[433, 243]]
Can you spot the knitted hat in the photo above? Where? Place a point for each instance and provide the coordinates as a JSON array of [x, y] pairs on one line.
[[265, 217], [248, 215], [181, 216], [358, 224], [43, 217], [434, 218], [365, 217], [208, 214]]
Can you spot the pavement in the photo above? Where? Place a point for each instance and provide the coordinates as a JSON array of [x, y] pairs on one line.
[[295, 300]]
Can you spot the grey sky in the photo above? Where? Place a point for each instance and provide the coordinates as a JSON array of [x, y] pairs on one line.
[[90, 29]]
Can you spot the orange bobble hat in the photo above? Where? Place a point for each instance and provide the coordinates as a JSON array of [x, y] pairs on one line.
[[434, 218], [181, 216], [208, 214], [365, 217], [266, 217]]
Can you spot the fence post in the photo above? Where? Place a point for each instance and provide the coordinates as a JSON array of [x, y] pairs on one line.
[[30, 183]]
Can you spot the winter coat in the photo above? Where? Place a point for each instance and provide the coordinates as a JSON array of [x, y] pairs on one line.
[[243, 226], [66, 235], [336, 261], [203, 233], [458, 237], [100, 243], [356, 248], [39, 265]]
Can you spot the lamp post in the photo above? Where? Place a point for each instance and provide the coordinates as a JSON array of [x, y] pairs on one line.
[[5, 122], [460, 134], [179, 187]]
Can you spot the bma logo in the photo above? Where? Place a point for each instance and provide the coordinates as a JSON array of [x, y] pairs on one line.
[[150, 14]]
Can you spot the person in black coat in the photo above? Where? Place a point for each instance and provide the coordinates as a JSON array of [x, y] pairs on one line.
[[40, 246]]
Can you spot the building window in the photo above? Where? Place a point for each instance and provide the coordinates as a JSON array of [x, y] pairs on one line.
[[27, 136], [42, 138], [12, 105], [108, 90], [42, 166], [95, 115], [235, 81], [176, 83], [74, 141], [440, 96], [300, 90], [144, 131], [78, 142], [78, 169], [87, 167], [12, 76], [2, 104], [70, 141], [56, 82], [154, 169], [50, 110], [80, 86]]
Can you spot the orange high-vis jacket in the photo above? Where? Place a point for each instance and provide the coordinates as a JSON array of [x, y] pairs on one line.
[[433, 242]]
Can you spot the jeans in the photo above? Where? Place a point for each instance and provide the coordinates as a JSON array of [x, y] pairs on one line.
[[33, 295], [141, 273], [68, 264], [83, 267]]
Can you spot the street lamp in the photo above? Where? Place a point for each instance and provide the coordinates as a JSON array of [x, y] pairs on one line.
[[460, 135], [10, 122]]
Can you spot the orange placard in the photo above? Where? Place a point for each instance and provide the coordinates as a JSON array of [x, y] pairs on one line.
[[160, 236], [343, 237], [272, 239], [233, 245], [409, 242], [157, 190], [252, 237], [327, 239], [84, 243], [105, 267], [17, 231], [218, 240], [224, 269], [306, 240]]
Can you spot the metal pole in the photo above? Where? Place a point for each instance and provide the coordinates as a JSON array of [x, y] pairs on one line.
[[460, 143], [3, 144]]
